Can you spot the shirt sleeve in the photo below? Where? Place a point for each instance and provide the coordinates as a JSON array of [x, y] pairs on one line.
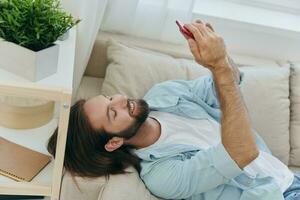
[[179, 178]]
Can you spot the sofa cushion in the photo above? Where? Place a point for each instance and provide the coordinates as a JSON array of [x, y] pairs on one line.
[[133, 72], [295, 169], [295, 115], [89, 87], [266, 94]]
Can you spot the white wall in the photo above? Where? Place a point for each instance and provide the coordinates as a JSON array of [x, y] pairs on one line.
[[261, 30], [253, 31], [90, 13]]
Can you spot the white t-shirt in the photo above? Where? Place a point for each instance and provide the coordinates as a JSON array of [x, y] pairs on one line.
[[206, 133]]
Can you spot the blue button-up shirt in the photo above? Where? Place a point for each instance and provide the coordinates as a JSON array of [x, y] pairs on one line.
[[178, 171]]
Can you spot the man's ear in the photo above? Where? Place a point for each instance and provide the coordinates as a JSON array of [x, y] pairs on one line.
[[114, 143]]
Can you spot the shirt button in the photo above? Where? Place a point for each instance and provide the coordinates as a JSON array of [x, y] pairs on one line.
[[248, 182]]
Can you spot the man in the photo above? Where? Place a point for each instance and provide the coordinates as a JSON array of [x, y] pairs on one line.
[[188, 150]]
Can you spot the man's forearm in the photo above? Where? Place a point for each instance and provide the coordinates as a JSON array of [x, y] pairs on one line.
[[235, 69], [237, 135], [209, 50]]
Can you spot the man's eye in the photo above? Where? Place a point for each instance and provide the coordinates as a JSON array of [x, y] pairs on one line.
[[114, 113]]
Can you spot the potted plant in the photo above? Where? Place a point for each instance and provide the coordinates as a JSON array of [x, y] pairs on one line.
[[29, 30]]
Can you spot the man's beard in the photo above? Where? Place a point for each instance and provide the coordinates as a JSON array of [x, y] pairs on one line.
[[140, 118]]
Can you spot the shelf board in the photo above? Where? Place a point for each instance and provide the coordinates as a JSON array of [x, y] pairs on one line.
[[35, 139], [57, 87], [40, 185], [63, 78]]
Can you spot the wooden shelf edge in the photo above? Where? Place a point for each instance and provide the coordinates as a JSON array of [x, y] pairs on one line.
[[25, 189], [33, 91]]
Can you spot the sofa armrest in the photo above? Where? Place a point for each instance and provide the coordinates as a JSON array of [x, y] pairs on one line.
[[79, 188], [126, 186], [120, 187]]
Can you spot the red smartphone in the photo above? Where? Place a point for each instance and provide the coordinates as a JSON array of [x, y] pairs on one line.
[[184, 30]]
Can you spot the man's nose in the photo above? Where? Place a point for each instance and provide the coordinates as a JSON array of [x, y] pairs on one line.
[[120, 101]]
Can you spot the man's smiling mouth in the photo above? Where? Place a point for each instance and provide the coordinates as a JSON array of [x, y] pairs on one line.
[[131, 106]]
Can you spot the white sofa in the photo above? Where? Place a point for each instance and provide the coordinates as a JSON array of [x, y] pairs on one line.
[[129, 186]]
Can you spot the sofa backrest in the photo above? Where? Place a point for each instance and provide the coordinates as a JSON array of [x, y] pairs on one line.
[[98, 60]]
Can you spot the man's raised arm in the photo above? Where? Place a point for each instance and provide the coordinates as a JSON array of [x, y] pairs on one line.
[[234, 68], [236, 132]]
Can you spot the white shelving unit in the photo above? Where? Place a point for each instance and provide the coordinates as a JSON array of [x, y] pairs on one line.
[[57, 87]]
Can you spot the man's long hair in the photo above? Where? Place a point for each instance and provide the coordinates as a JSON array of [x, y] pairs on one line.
[[85, 154]]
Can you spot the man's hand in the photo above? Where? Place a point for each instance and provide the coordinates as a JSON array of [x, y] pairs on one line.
[[208, 48], [211, 53]]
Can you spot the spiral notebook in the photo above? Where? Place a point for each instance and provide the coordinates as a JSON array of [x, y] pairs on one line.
[[20, 163]]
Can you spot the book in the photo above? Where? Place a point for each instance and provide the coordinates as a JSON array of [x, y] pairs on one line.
[[20, 163]]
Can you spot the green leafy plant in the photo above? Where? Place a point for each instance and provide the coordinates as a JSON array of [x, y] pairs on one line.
[[34, 24]]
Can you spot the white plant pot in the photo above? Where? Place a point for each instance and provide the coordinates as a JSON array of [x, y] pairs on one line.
[[65, 36], [26, 63]]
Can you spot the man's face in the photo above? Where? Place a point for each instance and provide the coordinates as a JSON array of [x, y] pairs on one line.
[[117, 114]]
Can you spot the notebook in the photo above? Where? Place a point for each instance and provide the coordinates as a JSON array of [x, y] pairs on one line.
[[20, 163]]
